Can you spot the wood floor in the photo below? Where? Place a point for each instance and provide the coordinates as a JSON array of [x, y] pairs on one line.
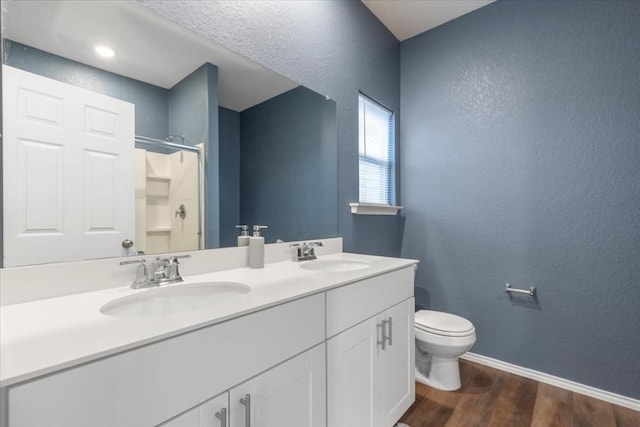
[[490, 397]]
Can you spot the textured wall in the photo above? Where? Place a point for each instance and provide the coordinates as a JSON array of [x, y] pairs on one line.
[[193, 112], [288, 167], [151, 101], [521, 163], [189, 106], [229, 127], [333, 47]]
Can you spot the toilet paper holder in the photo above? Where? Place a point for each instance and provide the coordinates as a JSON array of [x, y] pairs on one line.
[[531, 291]]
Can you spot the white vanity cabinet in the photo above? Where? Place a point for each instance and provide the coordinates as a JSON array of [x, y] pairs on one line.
[[370, 373], [340, 357], [149, 385]]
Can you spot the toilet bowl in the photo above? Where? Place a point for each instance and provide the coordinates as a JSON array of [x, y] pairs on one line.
[[440, 339]]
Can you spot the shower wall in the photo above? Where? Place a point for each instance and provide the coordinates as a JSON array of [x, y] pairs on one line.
[[164, 182]]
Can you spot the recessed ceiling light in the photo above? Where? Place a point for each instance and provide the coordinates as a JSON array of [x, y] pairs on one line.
[[104, 51]]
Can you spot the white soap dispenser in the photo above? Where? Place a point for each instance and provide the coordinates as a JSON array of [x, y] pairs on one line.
[[256, 248], [243, 238]]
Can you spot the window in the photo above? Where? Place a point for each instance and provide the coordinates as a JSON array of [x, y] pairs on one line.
[[376, 142]]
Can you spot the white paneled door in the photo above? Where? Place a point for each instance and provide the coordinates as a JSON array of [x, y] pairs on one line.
[[68, 171]]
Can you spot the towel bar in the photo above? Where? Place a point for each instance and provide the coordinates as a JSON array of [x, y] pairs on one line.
[[531, 291]]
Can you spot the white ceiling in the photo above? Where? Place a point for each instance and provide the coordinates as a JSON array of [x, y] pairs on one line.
[[148, 47], [407, 18]]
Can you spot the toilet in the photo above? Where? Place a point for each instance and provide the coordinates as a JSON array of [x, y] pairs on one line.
[[440, 339]]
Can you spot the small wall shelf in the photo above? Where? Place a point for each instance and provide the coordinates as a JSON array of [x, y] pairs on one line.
[[374, 209]]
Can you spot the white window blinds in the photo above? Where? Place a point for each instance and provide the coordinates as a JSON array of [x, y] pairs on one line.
[[376, 152]]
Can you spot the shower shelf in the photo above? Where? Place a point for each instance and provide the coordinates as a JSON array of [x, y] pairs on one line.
[[159, 230], [158, 178]]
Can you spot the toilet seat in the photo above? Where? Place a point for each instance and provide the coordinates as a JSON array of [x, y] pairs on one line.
[[445, 324]]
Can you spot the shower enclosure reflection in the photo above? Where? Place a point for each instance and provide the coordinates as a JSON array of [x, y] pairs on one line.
[[168, 195]]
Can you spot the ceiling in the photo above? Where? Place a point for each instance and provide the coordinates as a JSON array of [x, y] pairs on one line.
[[147, 47], [154, 50], [407, 18]]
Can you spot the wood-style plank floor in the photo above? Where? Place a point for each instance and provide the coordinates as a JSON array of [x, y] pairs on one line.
[[490, 397]]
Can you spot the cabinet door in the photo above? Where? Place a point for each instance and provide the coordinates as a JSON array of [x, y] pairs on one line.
[[397, 373], [352, 370], [292, 394], [211, 413]]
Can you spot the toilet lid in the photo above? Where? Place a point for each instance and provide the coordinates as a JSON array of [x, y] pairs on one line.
[[441, 323]]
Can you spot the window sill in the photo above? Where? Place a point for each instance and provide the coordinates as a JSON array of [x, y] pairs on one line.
[[373, 209]]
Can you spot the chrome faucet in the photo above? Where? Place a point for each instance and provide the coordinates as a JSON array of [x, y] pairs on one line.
[[162, 271], [304, 251]]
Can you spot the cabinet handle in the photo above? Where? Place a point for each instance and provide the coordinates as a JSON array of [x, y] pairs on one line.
[[381, 342], [246, 401], [390, 336], [222, 416]]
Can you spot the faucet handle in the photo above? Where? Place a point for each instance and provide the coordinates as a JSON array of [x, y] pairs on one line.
[[173, 271], [142, 273], [133, 261], [172, 268]]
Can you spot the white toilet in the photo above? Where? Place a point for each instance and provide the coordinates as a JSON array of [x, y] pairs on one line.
[[440, 339]]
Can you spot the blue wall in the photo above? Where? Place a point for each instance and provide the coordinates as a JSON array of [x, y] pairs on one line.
[[151, 102], [189, 106], [288, 166], [335, 48], [521, 163], [229, 122], [193, 112]]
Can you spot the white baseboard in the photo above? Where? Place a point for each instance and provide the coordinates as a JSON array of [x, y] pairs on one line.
[[604, 395]]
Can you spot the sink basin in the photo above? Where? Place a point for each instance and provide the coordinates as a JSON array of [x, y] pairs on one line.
[[334, 265], [172, 300]]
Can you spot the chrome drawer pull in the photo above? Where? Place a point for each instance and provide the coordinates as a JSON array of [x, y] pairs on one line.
[[390, 336], [382, 342], [222, 416], [246, 401]]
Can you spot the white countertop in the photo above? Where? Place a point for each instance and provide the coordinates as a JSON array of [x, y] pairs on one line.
[[44, 336]]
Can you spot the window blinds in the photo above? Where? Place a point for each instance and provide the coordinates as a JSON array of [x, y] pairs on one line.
[[376, 152]]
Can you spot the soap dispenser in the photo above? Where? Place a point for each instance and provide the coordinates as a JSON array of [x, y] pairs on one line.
[[256, 248], [243, 238]]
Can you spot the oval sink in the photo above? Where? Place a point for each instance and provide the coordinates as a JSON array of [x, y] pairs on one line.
[[334, 265], [172, 300]]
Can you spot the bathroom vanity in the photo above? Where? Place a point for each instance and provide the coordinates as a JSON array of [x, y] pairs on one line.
[[304, 344]]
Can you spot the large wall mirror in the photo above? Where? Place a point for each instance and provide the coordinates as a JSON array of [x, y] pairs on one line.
[[124, 133]]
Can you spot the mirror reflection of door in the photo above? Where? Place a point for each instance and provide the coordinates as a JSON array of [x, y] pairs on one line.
[[68, 171]]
